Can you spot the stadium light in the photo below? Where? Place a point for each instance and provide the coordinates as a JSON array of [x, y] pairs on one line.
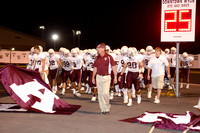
[[42, 28], [55, 37], [78, 33]]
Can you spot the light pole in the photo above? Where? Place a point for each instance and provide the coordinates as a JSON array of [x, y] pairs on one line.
[[54, 37], [42, 28], [78, 33], [74, 39]]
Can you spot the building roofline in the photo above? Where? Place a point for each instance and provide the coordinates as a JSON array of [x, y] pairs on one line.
[[24, 34]]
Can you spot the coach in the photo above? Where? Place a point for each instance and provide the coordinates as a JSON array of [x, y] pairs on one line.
[[158, 64], [102, 70]]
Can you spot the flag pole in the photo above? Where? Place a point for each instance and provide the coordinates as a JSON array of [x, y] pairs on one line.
[[151, 130]]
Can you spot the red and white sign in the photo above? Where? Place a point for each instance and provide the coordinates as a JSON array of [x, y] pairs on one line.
[[178, 20]]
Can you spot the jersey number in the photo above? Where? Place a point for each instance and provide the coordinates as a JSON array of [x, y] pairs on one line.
[[132, 65]]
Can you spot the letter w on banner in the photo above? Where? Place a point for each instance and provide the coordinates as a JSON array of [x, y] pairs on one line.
[[30, 92]]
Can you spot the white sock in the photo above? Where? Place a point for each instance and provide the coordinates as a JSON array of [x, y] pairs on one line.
[[130, 100], [181, 84], [117, 88], [133, 89], [125, 94]]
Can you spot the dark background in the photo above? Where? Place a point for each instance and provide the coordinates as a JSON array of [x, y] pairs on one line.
[[116, 23]]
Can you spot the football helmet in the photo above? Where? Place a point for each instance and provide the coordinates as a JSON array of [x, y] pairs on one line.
[[41, 48], [51, 52], [185, 55], [107, 49], [66, 53], [93, 53], [142, 51], [167, 51], [173, 50], [124, 50], [149, 49]]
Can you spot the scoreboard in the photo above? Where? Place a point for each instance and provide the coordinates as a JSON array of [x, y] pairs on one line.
[[178, 20]]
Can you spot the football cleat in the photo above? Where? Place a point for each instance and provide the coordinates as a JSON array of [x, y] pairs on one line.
[[93, 99], [169, 87], [157, 101], [126, 101], [187, 86], [82, 88], [129, 103], [149, 95]]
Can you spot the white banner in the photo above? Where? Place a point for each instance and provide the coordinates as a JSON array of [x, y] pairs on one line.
[[4, 56], [20, 57]]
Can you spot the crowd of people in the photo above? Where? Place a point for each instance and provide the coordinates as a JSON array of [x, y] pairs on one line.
[[135, 69]]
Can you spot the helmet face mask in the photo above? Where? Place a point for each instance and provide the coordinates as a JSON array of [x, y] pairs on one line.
[[149, 52], [74, 52], [66, 53], [173, 51], [131, 52]]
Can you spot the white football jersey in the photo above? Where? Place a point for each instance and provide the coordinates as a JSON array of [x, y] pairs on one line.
[[186, 62], [53, 61], [172, 60], [31, 62], [146, 59], [77, 62], [90, 64], [85, 60], [67, 63], [38, 61], [133, 63], [122, 61]]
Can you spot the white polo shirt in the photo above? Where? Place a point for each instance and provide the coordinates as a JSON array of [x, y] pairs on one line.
[[158, 65]]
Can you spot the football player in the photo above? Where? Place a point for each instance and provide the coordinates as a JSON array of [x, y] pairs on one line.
[[185, 63], [90, 66], [133, 66], [77, 63], [172, 63], [40, 63], [149, 54], [54, 67], [122, 84], [31, 59], [66, 69]]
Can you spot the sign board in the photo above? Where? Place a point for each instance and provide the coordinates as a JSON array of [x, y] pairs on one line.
[[4, 56], [178, 20], [20, 57]]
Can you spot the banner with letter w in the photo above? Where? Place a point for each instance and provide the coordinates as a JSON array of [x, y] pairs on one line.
[[31, 93]]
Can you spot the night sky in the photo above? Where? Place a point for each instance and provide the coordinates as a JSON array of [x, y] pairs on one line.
[[116, 23]]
